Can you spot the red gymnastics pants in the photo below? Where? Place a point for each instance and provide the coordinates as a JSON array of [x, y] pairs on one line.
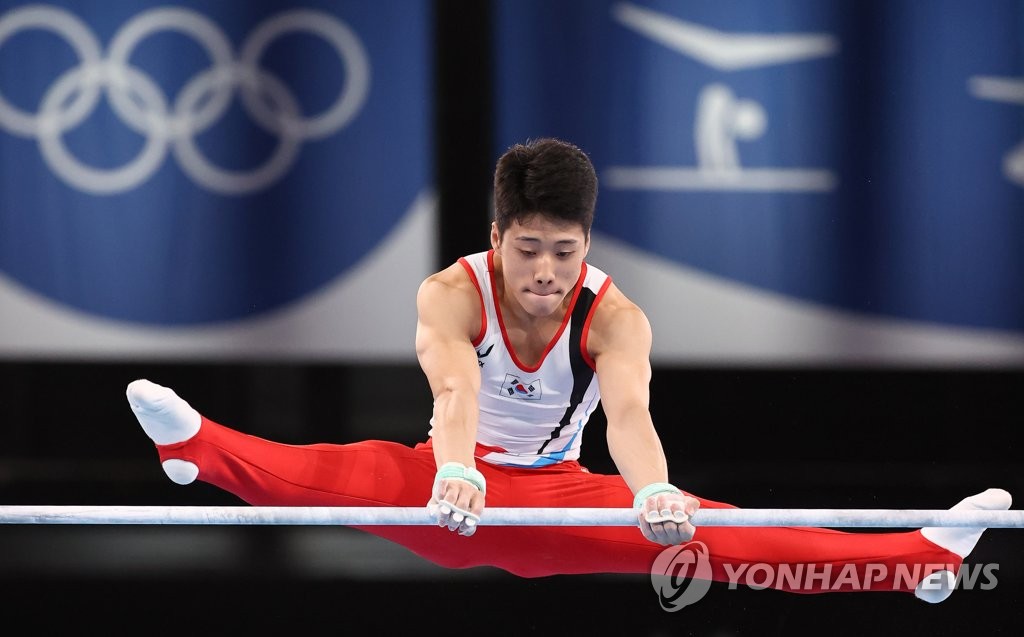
[[380, 473]]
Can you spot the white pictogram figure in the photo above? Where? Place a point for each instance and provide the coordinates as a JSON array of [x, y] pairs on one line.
[[1010, 90], [141, 104], [722, 119]]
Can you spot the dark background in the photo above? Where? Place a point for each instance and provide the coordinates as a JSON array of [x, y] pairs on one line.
[[751, 436]]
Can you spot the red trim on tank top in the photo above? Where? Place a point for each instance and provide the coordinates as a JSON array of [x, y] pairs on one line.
[[480, 294], [586, 325], [501, 320]]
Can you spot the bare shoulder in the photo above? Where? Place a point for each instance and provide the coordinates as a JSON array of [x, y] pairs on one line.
[[618, 323], [449, 297], [454, 277]]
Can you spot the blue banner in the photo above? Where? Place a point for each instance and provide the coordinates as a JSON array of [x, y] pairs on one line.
[[204, 165], [792, 181]]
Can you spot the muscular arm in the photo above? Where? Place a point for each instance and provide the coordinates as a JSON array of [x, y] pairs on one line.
[[448, 309], [624, 373], [620, 342]]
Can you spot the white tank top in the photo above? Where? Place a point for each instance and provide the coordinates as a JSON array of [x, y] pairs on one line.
[[534, 416]]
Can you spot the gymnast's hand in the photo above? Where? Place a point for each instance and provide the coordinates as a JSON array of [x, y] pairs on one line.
[[664, 514], [457, 500]]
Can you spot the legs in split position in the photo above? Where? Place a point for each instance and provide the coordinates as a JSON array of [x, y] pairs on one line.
[[380, 473]]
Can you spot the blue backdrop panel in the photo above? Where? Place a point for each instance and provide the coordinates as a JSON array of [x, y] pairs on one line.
[[862, 157], [195, 163]]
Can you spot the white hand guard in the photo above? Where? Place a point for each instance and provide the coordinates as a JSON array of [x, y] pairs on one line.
[[663, 512], [448, 514], [652, 516]]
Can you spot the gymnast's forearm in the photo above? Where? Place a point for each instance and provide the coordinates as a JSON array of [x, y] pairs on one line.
[[454, 426], [636, 450]]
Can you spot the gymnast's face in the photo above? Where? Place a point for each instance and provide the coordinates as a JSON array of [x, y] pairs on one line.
[[540, 262]]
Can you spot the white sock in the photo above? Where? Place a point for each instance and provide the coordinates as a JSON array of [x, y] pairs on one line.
[[166, 418], [960, 540], [936, 587], [180, 471]]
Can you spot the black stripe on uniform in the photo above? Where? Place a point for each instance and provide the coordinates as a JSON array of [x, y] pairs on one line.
[[582, 374]]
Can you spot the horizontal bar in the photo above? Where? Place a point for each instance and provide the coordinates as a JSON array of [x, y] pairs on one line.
[[498, 516]]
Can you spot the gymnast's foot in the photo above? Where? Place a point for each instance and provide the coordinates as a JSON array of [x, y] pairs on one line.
[[960, 540], [167, 419]]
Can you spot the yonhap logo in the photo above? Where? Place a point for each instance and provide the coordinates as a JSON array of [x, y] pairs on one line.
[[681, 575]]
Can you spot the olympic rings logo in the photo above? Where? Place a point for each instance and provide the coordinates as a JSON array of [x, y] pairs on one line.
[[141, 104]]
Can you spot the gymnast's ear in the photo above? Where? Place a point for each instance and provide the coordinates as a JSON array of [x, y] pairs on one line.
[[495, 236]]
